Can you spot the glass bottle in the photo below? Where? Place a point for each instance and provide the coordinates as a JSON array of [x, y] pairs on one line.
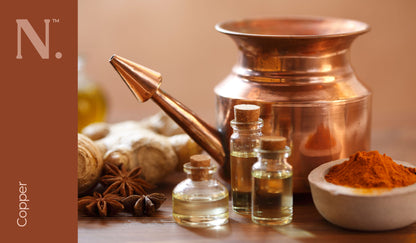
[[272, 196], [91, 101], [200, 200], [245, 138]]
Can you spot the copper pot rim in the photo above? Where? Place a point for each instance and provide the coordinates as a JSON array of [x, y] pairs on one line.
[[320, 27]]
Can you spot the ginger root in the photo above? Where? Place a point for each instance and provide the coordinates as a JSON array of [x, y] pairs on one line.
[[161, 124], [156, 144], [90, 164], [184, 147]]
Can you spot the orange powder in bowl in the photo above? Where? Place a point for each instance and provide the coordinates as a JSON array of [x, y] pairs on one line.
[[371, 170]]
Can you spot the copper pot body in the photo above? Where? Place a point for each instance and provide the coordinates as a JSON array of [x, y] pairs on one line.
[[298, 70]]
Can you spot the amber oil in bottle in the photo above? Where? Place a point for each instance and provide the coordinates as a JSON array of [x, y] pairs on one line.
[[272, 196], [92, 106], [245, 138], [200, 200]]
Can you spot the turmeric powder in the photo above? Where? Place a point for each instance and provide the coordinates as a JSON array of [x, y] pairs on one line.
[[371, 170]]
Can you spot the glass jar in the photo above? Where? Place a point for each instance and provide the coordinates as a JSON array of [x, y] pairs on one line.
[[245, 138], [200, 200], [272, 193]]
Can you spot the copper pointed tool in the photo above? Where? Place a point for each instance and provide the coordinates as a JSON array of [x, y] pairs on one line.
[[144, 83]]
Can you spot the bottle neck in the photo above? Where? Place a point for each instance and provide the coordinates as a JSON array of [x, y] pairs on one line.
[[199, 173], [277, 156], [247, 127], [199, 177]]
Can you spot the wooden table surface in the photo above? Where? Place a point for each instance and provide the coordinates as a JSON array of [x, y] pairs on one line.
[[307, 224]]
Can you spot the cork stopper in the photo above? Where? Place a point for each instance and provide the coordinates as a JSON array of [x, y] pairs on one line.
[[272, 143], [200, 160], [246, 113], [200, 167]]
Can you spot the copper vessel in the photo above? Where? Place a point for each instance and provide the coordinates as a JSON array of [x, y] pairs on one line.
[[298, 70]]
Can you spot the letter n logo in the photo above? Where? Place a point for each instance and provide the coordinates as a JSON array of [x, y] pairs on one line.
[[41, 48]]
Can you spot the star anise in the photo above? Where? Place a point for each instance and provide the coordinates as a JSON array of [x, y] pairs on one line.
[[123, 182], [100, 205], [140, 205]]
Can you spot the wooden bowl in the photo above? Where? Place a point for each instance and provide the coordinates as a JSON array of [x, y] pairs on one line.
[[362, 209]]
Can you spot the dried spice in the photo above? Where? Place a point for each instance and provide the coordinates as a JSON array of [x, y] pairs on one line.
[[123, 182], [100, 204], [371, 170], [143, 205]]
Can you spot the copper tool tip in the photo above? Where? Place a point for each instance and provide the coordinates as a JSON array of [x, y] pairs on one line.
[[142, 81], [200, 160], [272, 143], [246, 113], [111, 58]]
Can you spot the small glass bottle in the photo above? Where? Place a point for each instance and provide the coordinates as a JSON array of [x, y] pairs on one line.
[[245, 138], [272, 196], [200, 200]]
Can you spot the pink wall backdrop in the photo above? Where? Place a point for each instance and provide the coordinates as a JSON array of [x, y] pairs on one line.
[[178, 39]]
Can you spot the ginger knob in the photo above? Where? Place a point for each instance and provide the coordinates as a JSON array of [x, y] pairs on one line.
[[156, 144], [90, 164]]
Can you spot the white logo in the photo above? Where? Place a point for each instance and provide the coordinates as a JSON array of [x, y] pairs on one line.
[[42, 48]]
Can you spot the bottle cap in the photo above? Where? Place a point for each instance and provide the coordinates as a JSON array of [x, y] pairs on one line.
[[200, 160], [272, 143], [199, 167], [246, 113]]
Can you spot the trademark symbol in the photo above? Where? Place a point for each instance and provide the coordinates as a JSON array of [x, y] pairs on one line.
[[58, 55], [55, 20]]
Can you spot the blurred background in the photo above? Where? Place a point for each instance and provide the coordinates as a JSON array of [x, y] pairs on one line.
[[177, 38]]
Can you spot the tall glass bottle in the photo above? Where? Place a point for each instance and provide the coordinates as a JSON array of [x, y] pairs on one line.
[[91, 100], [272, 196], [200, 200], [245, 138]]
